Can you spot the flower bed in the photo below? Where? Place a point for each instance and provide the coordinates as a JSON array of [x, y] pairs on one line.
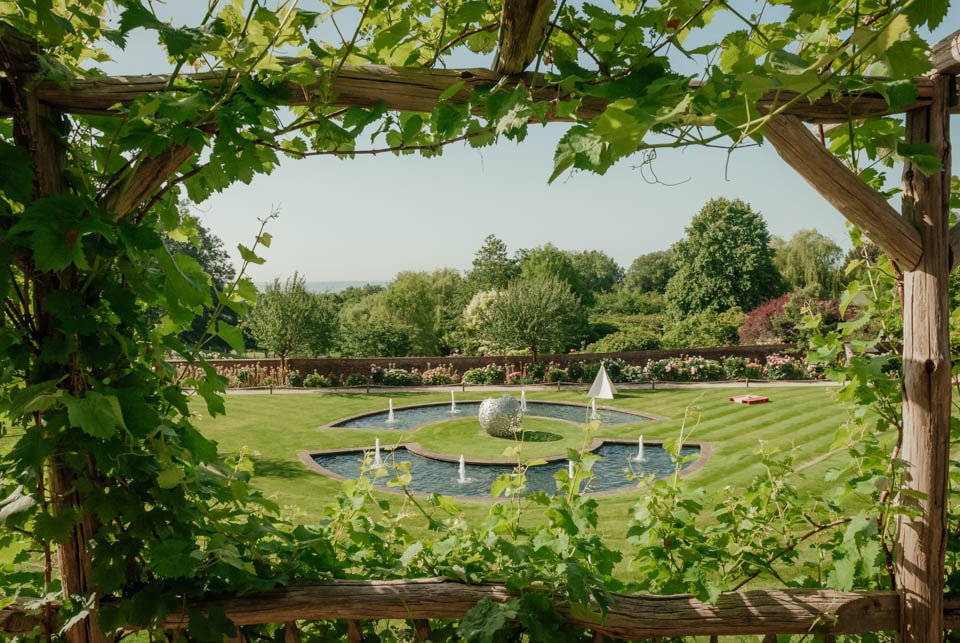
[[672, 369], [698, 369]]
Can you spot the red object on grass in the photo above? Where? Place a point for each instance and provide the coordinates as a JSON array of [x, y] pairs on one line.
[[749, 399]]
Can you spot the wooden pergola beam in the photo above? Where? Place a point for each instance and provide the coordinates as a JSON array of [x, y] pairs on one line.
[[859, 203], [417, 89], [146, 179], [522, 27], [945, 54], [794, 611]]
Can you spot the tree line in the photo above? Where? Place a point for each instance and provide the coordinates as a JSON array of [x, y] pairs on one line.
[[702, 291]]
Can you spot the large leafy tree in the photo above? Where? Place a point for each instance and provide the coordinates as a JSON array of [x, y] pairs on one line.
[[537, 314], [426, 306], [492, 265], [650, 272], [289, 319], [724, 261], [598, 271], [374, 338], [550, 261]]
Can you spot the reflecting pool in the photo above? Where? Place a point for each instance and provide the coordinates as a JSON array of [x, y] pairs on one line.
[[429, 475]]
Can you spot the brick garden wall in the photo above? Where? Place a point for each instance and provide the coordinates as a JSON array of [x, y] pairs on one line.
[[338, 369]]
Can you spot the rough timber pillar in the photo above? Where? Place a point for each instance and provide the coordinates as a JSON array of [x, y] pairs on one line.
[[926, 380], [38, 129]]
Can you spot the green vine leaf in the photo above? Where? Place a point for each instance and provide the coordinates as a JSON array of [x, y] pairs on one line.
[[97, 415]]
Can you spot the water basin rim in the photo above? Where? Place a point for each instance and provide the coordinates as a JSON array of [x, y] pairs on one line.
[[306, 457], [416, 449], [339, 422]]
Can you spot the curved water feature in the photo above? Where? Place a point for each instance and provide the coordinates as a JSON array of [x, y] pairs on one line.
[[429, 475], [413, 417]]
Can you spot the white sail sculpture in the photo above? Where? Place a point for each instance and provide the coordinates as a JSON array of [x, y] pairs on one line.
[[602, 386]]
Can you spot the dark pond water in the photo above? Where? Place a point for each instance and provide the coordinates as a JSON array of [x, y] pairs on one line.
[[430, 476], [407, 419]]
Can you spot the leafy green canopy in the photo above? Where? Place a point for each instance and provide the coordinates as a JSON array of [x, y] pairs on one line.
[[724, 261], [290, 319], [810, 262], [536, 313], [102, 456]]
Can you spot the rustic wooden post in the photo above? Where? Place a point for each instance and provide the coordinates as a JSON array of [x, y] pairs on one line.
[[423, 631], [354, 633], [38, 129], [921, 541], [290, 633]]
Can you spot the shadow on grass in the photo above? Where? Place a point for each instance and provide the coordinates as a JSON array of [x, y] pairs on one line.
[[538, 436], [277, 468]]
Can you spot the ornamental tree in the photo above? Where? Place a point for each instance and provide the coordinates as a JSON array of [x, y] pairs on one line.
[[724, 261], [534, 314], [288, 319]]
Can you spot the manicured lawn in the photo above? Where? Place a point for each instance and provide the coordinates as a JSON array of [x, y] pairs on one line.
[[274, 428], [540, 438]]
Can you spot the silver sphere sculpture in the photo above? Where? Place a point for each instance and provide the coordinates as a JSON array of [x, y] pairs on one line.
[[500, 416]]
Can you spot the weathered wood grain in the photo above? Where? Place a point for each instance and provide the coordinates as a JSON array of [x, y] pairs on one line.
[[753, 612], [416, 89], [921, 541], [522, 24], [945, 54], [145, 178], [858, 202]]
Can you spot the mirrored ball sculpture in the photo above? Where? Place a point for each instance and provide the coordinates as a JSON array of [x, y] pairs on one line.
[[500, 417]]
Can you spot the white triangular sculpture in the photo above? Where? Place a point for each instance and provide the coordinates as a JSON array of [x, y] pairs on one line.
[[602, 387]]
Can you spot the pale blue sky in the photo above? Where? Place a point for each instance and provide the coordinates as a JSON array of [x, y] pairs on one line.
[[371, 217]]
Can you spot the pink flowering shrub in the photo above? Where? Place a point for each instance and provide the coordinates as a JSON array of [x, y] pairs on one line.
[[784, 367], [438, 376]]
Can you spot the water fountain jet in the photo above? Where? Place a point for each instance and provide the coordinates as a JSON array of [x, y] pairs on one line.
[[390, 417], [453, 402], [639, 457]]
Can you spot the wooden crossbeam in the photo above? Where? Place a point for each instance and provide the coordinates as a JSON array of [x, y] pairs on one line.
[[417, 89], [792, 611], [522, 25], [146, 178], [629, 617], [945, 54], [859, 203]]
